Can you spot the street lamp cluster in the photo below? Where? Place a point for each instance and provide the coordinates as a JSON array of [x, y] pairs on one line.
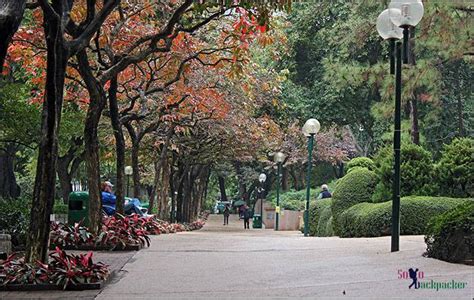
[[393, 24], [310, 128]]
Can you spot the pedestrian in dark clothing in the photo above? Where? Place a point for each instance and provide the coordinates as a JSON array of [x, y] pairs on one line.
[[226, 215], [325, 193], [241, 212], [247, 213]]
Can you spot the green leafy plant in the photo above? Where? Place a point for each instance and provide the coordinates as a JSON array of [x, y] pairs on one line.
[[416, 172], [356, 187], [455, 168], [320, 218], [375, 219], [60, 208], [361, 162], [14, 219], [296, 200], [450, 236]]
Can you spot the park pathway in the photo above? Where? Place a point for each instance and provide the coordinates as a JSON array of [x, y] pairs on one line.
[[230, 262]]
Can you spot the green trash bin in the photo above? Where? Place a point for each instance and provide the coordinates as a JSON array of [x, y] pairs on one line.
[[257, 221], [78, 208]]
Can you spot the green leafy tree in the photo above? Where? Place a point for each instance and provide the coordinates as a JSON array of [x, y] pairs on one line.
[[455, 168], [416, 172]]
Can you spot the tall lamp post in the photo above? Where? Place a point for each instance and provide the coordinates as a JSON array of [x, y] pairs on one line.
[[310, 128], [128, 172], [279, 158], [393, 24], [262, 178]]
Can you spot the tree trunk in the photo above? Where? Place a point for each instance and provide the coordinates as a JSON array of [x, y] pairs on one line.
[[8, 186], [68, 165], [119, 146], [294, 177], [221, 181], [136, 169], [97, 103], [206, 187], [173, 190], [284, 179], [302, 176], [460, 107], [415, 131], [180, 199], [64, 178], [158, 166], [45, 181], [11, 14], [154, 190]]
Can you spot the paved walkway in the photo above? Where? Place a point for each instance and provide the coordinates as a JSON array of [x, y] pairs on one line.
[[228, 262]]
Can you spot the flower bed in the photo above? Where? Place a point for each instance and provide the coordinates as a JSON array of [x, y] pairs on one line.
[[118, 233], [64, 271]]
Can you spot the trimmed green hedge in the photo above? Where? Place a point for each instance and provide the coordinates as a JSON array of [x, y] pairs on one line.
[[320, 218], [356, 187], [374, 219], [361, 162], [451, 235]]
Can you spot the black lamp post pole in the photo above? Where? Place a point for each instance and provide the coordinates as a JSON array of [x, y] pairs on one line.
[[392, 55], [261, 201], [308, 184], [396, 149], [128, 185], [277, 212]]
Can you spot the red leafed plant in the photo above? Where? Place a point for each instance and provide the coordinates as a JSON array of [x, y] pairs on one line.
[[64, 235], [117, 231], [63, 269], [121, 231], [67, 269]]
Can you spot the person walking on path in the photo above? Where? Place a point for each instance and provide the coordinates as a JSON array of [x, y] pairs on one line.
[[226, 214], [247, 217]]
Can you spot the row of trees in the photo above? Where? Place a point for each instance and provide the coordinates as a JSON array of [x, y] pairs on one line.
[[174, 88], [157, 69]]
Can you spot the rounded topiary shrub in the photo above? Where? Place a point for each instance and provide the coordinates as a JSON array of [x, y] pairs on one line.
[[375, 219], [356, 187], [455, 168], [416, 172], [450, 236], [320, 218], [360, 162]]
